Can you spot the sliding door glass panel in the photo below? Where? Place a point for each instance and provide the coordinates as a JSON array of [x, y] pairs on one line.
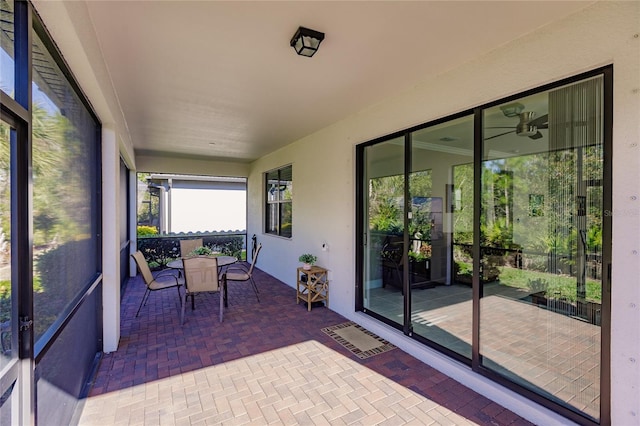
[[384, 225], [541, 243], [441, 307], [6, 352], [9, 366]]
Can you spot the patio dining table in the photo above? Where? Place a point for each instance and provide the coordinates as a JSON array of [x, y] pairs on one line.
[[222, 262]]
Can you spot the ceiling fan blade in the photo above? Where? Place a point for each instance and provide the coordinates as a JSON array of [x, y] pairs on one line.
[[538, 135], [498, 135], [541, 122]]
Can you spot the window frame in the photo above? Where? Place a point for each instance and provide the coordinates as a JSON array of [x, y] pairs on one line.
[[271, 216]]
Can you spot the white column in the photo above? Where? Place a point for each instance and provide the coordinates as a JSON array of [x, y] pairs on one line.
[[110, 240], [169, 205], [133, 220]]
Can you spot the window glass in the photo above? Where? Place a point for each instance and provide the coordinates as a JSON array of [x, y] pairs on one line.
[[285, 220], [439, 260], [286, 184], [383, 218], [279, 195], [6, 354], [272, 186], [7, 58], [65, 209], [541, 243]]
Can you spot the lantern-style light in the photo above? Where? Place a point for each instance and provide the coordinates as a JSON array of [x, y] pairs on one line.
[[306, 41]]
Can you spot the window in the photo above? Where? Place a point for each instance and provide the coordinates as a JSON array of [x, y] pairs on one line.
[[278, 212]]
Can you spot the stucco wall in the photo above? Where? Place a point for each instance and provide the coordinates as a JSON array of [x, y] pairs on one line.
[[324, 170]]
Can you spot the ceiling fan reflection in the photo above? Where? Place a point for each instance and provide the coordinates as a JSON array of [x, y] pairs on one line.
[[527, 126]]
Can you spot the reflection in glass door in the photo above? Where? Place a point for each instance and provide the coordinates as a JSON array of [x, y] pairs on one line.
[[383, 194], [8, 338], [485, 237], [441, 305], [541, 243]]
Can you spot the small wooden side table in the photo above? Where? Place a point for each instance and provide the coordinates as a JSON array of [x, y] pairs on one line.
[[312, 286]]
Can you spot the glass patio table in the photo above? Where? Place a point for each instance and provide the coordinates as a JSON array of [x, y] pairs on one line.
[[222, 261]]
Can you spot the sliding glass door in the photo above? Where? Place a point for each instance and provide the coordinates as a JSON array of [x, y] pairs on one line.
[[383, 218], [9, 362], [484, 236], [541, 243], [441, 306]]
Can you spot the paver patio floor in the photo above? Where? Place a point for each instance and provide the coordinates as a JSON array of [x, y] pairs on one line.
[[267, 363]]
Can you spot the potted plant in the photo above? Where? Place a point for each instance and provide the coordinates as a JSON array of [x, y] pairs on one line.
[[538, 288], [308, 260]]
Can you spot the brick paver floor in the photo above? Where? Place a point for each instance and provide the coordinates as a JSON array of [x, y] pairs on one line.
[[267, 363]]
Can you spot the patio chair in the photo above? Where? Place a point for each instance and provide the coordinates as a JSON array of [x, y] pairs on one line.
[[201, 275], [161, 281], [187, 246], [240, 273]]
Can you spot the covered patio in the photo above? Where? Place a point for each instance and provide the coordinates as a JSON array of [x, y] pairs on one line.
[[250, 370], [482, 118]]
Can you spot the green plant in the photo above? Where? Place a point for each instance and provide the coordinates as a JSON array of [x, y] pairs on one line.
[[420, 256], [201, 251], [559, 285], [463, 268], [416, 256], [538, 285], [146, 231], [308, 258], [165, 248]]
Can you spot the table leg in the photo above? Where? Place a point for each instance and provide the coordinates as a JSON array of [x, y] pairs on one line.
[[224, 286]]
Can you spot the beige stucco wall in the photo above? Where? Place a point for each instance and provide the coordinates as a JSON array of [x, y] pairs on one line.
[[324, 171]]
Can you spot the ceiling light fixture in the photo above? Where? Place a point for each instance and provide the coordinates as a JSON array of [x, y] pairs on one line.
[[306, 41], [512, 110]]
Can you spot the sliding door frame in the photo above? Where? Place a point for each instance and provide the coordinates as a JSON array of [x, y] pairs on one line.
[[362, 240]]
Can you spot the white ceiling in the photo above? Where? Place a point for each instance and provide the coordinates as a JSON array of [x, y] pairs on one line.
[[219, 79]]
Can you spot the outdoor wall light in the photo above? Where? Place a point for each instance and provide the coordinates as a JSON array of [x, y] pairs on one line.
[[306, 41]]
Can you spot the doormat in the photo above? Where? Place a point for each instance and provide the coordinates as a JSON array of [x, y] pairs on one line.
[[359, 341]]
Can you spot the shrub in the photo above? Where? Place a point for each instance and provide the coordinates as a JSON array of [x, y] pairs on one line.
[[146, 231], [161, 250], [538, 285]]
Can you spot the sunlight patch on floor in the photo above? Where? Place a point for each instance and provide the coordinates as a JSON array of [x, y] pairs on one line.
[[306, 383]]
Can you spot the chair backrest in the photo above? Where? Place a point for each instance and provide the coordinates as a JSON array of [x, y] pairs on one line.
[[255, 258], [187, 246], [143, 267], [201, 274]]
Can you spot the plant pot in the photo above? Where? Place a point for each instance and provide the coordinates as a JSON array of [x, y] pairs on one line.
[[539, 298], [306, 266]]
